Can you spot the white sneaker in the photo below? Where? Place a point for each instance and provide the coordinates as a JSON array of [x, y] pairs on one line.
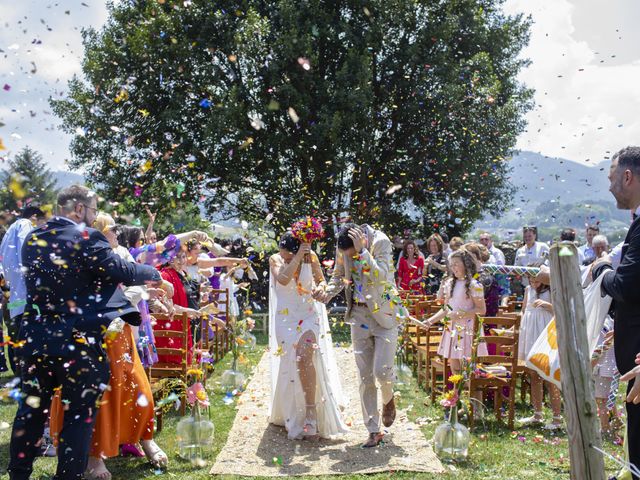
[[552, 427], [532, 420]]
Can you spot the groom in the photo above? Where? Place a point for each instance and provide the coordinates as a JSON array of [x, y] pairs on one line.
[[364, 268]]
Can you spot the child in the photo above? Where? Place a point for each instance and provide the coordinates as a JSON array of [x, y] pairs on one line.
[[604, 371], [537, 312], [463, 300]]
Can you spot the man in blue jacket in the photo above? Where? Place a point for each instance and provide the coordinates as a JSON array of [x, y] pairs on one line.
[[72, 277]]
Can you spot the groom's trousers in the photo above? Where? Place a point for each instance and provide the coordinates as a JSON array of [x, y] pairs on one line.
[[375, 350]]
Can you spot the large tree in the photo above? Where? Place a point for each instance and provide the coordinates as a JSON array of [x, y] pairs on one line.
[[400, 112], [27, 179]]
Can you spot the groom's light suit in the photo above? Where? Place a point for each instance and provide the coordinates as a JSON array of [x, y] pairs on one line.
[[373, 315]]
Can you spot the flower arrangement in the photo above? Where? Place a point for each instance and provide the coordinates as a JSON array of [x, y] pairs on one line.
[[307, 229], [196, 393], [451, 439], [194, 432]]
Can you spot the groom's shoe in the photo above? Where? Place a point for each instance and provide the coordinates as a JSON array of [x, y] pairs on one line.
[[374, 440], [389, 413]]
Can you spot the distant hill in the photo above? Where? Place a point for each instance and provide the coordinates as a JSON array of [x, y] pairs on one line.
[[553, 193], [540, 179], [65, 179]]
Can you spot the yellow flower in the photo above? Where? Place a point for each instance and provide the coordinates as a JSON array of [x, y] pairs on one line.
[[194, 371], [201, 395], [456, 379]]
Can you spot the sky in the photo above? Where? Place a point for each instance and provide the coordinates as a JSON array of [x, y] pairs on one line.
[[585, 71]]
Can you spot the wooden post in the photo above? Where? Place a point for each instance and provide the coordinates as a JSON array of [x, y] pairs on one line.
[[581, 413]]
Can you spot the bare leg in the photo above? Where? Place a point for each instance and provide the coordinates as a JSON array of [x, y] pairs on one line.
[[536, 401], [455, 366], [603, 414], [307, 373], [536, 392], [556, 403]]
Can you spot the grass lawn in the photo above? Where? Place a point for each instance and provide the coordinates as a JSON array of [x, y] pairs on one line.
[[495, 452]]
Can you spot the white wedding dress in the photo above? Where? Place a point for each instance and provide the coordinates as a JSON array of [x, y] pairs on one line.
[[292, 312]]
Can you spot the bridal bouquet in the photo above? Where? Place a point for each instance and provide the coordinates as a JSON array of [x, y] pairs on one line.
[[307, 229]]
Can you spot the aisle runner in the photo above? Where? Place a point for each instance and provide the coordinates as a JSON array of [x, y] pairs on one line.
[[255, 448]]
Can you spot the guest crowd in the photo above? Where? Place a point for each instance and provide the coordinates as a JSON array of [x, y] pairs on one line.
[[82, 295], [81, 292]]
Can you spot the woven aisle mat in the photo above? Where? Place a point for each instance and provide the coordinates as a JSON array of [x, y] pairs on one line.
[[256, 448]]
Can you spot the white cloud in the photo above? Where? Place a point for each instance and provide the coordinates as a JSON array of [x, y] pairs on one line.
[[49, 52], [580, 102]]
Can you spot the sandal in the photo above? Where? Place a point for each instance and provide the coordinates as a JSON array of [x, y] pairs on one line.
[[310, 430], [556, 424], [536, 419], [154, 453], [130, 450]]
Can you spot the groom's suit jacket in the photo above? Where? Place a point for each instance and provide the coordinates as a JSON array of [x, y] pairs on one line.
[[378, 282]]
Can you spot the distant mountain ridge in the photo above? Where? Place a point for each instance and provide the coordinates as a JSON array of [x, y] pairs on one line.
[[553, 193], [66, 179], [540, 178]]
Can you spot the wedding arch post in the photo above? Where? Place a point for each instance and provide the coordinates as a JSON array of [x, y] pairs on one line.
[[575, 363]]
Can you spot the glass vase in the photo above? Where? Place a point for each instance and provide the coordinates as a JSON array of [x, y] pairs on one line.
[[451, 439], [232, 379], [249, 341], [195, 437]]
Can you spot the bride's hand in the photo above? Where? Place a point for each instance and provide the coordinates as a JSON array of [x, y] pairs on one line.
[[320, 294], [305, 248]]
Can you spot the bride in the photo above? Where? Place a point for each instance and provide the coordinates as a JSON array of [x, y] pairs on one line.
[[306, 396]]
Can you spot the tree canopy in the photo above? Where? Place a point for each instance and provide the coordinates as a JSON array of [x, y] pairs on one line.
[[27, 179], [399, 112]]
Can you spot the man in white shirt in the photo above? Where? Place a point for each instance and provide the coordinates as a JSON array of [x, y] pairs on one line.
[[498, 255], [532, 251], [586, 250]]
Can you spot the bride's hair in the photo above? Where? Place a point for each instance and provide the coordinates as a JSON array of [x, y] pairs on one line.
[[289, 242]]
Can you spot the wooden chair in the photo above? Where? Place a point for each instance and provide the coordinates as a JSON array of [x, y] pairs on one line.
[[221, 343], [494, 372], [171, 370], [439, 373], [414, 335], [427, 351], [439, 369]]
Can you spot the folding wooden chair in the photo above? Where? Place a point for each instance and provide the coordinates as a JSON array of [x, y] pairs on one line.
[[440, 372], [426, 351], [172, 370], [220, 344], [494, 372]]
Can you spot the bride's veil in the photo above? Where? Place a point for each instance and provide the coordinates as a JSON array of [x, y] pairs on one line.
[[273, 343]]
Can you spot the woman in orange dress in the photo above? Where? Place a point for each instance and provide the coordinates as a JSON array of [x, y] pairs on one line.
[[126, 414]]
